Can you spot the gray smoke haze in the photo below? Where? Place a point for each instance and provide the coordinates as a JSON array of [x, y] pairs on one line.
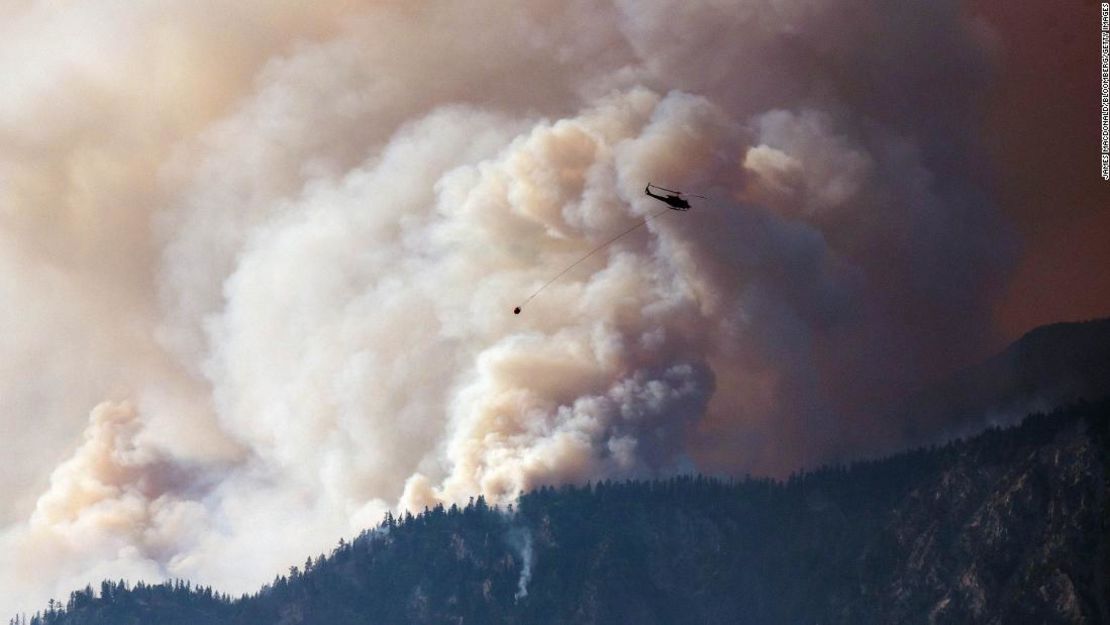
[[274, 248]]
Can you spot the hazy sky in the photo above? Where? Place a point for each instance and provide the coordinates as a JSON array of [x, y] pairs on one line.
[[258, 260]]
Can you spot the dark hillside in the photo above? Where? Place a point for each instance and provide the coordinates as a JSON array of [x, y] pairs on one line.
[[1007, 527]]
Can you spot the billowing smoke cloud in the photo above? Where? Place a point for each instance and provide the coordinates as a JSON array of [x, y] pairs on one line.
[[284, 244]]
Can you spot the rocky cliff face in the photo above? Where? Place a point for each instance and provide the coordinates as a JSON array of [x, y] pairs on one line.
[[1011, 528]]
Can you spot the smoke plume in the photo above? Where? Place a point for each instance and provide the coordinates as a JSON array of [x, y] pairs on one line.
[[283, 243], [521, 540]]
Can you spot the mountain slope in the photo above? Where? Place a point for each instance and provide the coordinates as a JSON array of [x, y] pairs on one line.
[[1049, 366], [1010, 526]]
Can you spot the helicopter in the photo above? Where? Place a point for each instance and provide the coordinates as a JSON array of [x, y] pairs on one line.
[[675, 199]]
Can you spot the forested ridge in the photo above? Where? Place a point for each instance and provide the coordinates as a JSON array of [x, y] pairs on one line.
[[1008, 526]]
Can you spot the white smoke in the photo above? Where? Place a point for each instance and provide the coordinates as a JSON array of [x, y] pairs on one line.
[[286, 244], [521, 540]]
